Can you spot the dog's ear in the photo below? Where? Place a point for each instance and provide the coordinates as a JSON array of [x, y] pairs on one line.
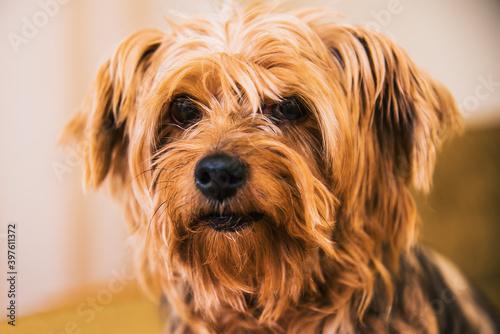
[[100, 126], [402, 114]]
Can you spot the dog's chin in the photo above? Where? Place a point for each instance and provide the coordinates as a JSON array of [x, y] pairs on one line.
[[230, 222]]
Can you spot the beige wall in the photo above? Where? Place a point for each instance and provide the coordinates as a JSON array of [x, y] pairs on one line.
[[68, 239]]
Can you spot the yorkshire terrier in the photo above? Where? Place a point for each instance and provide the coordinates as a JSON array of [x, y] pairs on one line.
[[265, 165]]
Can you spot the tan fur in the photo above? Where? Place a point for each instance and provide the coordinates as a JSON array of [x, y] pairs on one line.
[[334, 188]]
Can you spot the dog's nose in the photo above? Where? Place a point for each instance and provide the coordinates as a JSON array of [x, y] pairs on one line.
[[219, 176]]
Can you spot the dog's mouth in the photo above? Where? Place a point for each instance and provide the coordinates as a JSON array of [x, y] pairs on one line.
[[230, 222]]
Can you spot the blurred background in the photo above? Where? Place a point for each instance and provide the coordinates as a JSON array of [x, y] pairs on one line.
[[71, 244]]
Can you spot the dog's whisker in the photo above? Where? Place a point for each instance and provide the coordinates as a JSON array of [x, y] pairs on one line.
[[156, 210], [159, 190], [142, 173]]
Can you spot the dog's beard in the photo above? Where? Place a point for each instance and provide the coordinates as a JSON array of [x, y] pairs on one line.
[[272, 237]]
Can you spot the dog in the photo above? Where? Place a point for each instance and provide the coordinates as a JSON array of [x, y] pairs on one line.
[[265, 164]]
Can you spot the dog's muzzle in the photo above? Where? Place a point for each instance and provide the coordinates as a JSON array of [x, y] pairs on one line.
[[219, 176]]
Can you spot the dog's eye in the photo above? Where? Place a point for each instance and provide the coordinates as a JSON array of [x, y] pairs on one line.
[[184, 110], [291, 109]]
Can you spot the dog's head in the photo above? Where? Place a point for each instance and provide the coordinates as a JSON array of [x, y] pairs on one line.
[[263, 157]]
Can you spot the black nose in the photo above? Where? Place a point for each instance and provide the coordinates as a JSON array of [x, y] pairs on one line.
[[219, 176]]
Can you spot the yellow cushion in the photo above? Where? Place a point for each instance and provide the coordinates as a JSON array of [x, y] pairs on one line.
[[96, 312]]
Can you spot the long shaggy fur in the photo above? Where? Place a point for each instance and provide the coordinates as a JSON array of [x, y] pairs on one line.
[[336, 249]]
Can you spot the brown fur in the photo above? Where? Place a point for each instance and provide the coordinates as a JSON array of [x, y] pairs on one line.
[[335, 251]]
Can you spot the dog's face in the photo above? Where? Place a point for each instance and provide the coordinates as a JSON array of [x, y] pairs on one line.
[[259, 158]]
